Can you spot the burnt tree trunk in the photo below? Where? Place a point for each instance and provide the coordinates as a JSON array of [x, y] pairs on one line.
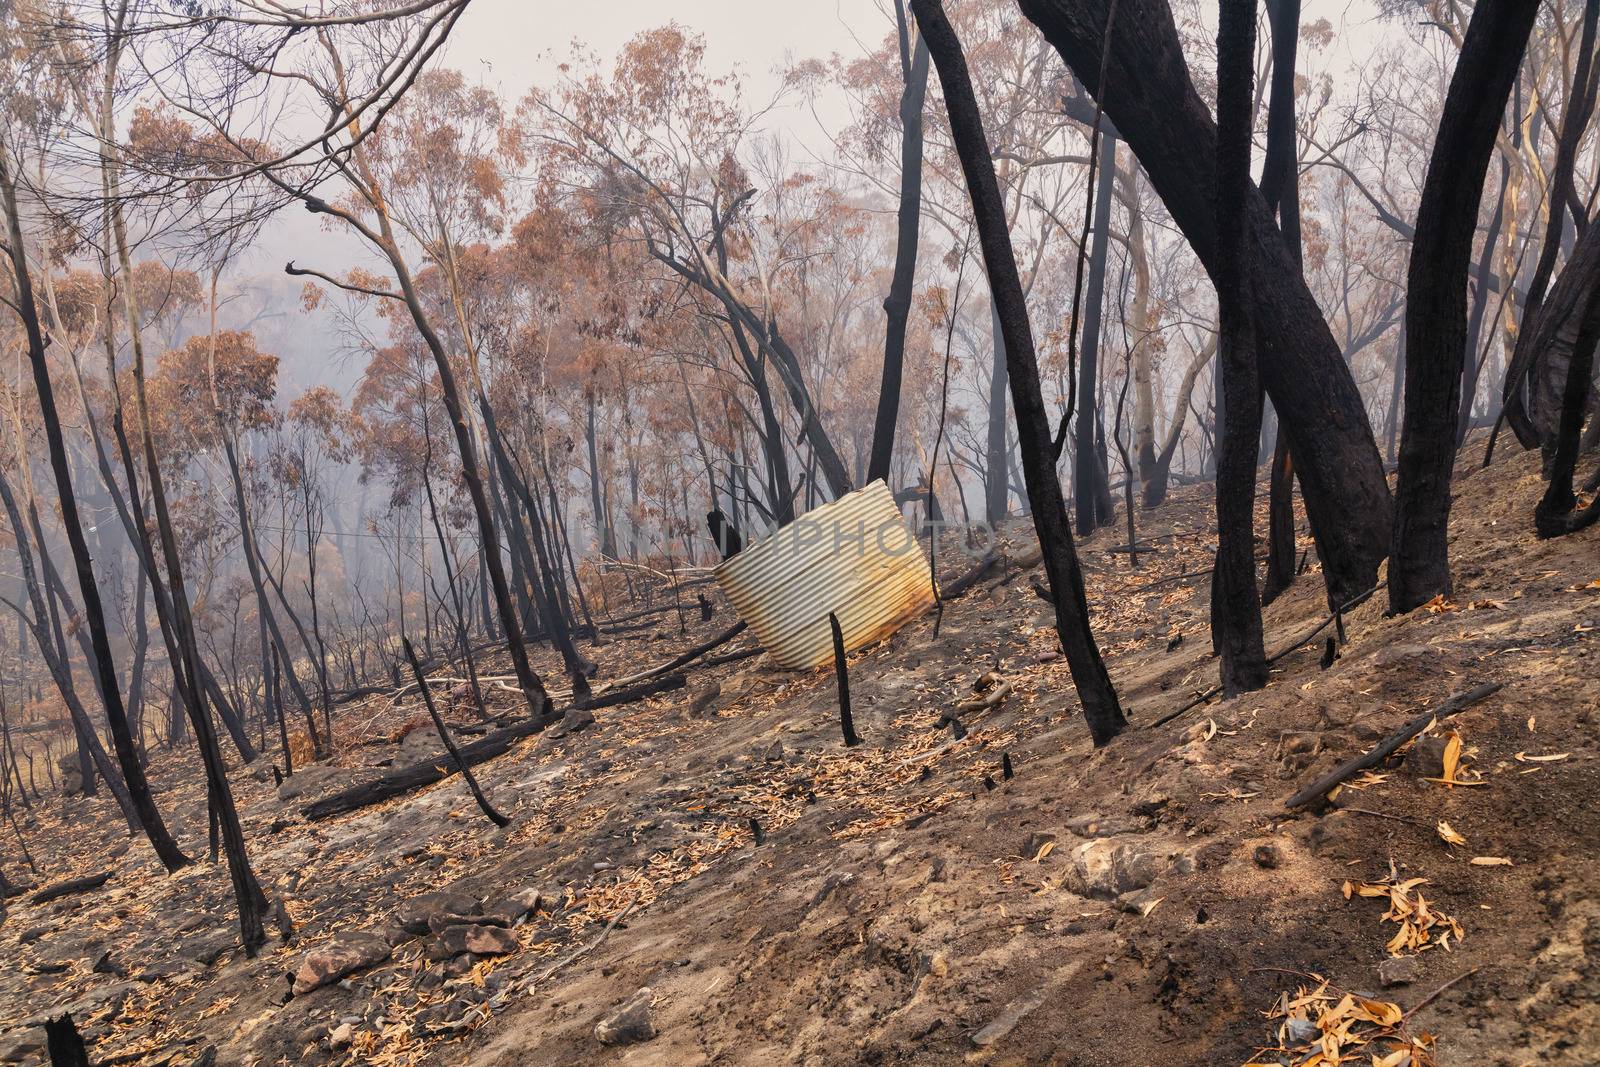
[[1088, 484], [897, 305], [1480, 307], [1095, 691], [1436, 300], [484, 806], [1280, 187], [1525, 363], [997, 460], [1554, 515], [94, 612], [1235, 609], [1158, 112]]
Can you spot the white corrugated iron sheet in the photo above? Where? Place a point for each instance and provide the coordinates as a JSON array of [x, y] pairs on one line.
[[855, 557]]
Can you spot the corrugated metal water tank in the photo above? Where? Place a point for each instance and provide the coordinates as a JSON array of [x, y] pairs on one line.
[[855, 557]]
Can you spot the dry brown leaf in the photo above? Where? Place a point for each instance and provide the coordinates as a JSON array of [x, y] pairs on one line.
[[1555, 757], [1452, 756], [1044, 850], [1448, 834], [1490, 861]]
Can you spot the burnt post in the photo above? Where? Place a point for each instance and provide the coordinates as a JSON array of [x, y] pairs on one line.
[[846, 723]]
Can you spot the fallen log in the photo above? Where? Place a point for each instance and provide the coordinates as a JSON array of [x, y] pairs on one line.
[[684, 657], [407, 779], [732, 657], [613, 697], [68, 888], [961, 583], [1389, 745]]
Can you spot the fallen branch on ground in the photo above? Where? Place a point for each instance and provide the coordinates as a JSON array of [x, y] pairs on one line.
[[398, 783], [68, 888], [1389, 745], [612, 697], [960, 584]]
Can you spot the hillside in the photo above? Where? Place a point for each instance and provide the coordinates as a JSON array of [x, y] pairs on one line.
[[908, 902]]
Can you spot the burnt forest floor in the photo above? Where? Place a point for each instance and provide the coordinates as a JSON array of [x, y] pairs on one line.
[[1147, 903]]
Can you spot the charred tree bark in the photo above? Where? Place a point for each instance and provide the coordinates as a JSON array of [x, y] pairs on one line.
[[1525, 363], [60, 669], [471, 468], [1158, 112], [1099, 698], [94, 612], [544, 576], [997, 465], [1436, 300], [1088, 485], [602, 529], [1280, 187], [248, 896], [897, 305], [1235, 609], [1554, 515], [1480, 307]]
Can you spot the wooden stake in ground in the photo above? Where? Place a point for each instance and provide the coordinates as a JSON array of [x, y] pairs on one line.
[[65, 1044], [450, 746], [846, 723]]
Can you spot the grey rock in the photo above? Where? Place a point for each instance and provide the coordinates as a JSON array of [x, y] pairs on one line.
[[1012, 1014], [1301, 1032], [574, 720], [21, 1046], [439, 922], [311, 778], [209, 948], [519, 905], [1399, 970], [341, 1036], [1106, 868], [483, 940], [702, 700], [629, 1022], [348, 954], [1425, 757], [412, 915], [460, 965], [1091, 825], [1140, 901], [418, 745]]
